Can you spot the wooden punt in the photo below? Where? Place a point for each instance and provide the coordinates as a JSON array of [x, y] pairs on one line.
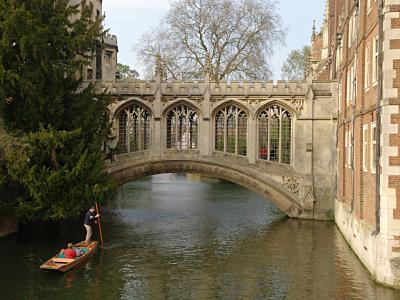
[[65, 264]]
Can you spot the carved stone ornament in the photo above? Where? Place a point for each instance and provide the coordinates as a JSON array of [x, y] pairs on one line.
[[297, 104], [395, 266], [292, 184]]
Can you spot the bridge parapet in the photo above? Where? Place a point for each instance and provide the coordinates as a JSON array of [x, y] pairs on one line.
[[143, 87]]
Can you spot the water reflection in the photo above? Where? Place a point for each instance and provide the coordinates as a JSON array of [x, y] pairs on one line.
[[189, 237]]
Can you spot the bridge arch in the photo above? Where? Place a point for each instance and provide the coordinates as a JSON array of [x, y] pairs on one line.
[[262, 185]]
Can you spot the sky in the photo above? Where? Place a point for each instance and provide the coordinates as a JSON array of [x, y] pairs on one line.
[[130, 19]]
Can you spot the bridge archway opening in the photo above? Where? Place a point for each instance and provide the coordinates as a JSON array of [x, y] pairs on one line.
[[266, 188]]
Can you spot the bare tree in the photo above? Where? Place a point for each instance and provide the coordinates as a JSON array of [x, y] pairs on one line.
[[236, 36]]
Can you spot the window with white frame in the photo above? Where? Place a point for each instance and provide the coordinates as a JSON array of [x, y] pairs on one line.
[[348, 87], [350, 32], [365, 147], [341, 50], [339, 55], [367, 66], [346, 147], [355, 20], [353, 87], [375, 51], [352, 27], [373, 146], [350, 144], [337, 58], [340, 95]]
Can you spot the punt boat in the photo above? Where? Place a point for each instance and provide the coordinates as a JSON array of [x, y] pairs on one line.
[[57, 263]]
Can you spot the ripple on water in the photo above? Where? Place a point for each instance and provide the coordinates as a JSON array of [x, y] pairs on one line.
[[178, 237]]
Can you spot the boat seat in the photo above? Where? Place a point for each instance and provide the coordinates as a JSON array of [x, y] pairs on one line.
[[62, 260]]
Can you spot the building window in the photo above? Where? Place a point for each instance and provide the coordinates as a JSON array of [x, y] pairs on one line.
[[231, 130], [355, 24], [108, 57], [365, 148], [350, 31], [134, 129], [98, 61], [375, 49], [373, 146], [339, 55], [353, 88], [182, 128], [275, 134], [348, 88], [349, 148], [346, 146], [89, 73], [352, 27], [340, 95], [367, 66]]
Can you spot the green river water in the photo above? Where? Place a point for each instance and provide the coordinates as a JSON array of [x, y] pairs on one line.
[[183, 236]]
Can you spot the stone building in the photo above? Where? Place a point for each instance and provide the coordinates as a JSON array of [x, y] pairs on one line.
[[104, 65], [362, 43]]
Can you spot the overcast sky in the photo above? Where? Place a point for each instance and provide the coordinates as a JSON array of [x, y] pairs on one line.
[[129, 19]]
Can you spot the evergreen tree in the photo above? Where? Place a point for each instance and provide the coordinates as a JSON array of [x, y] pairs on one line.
[[125, 72], [61, 124]]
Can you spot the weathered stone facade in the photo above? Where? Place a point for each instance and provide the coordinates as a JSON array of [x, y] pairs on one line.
[[104, 64]]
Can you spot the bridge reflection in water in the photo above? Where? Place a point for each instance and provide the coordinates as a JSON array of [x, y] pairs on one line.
[[215, 240]]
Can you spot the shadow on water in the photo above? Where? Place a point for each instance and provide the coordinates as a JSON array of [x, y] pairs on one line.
[[189, 237]]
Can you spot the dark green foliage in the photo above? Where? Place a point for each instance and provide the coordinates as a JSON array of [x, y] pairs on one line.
[[61, 125], [125, 72], [8, 188]]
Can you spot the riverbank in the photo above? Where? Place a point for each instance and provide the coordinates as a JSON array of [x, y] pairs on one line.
[[8, 225]]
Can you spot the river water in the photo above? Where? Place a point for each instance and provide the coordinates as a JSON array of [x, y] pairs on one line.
[[188, 237]]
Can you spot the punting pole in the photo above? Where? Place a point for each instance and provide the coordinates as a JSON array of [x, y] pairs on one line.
[[99, 223]]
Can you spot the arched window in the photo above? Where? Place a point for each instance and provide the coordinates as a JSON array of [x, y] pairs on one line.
[[134, 129], [231, 130], [182, 123], [275, 134]]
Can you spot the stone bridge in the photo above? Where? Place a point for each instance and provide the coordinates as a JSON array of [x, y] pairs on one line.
[[274, 138]]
